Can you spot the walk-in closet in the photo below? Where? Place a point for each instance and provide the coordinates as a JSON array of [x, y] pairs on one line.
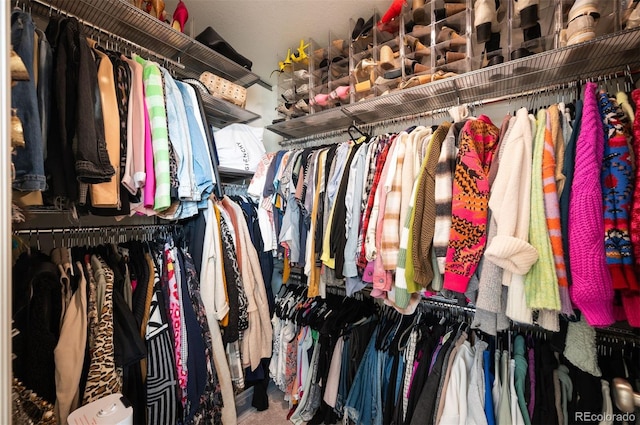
[[344, 212]]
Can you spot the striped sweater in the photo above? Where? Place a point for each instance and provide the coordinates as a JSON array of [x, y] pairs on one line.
[[551, 186], [154, 96], [541, 283], [443, 192], [422, 236]]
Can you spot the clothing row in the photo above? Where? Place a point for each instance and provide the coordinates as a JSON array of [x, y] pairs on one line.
[[389, 368], [552, 227], [306, 331], [144, 319], [117, 135]]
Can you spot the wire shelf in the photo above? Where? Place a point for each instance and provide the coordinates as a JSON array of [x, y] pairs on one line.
[[122, 22], [120, 18], [324, 121], [548, 70], [222, 113]]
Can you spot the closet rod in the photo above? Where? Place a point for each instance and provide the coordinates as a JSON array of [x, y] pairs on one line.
[[143, 227], [123, 40]]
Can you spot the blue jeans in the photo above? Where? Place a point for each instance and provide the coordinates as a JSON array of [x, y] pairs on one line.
[[28, 161], [364, 403], [201, 159], [343, 389]]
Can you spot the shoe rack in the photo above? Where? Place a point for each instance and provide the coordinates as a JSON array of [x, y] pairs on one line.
[[436, 54], [120, 21]]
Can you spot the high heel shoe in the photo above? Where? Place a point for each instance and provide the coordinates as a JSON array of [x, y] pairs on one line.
[[180, 17], [300, 55], [157, 8], [321, 99], [364, 74], [286, 63], [340, 93], [393, 11]]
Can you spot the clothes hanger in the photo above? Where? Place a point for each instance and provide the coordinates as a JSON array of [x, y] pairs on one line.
[[362, 133]]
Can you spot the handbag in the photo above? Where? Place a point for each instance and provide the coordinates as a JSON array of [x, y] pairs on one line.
[[225, 89]]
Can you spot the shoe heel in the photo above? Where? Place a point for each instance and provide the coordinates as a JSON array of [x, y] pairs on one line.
[[363, 86], [529, 16], [454, 56], [483, 32]]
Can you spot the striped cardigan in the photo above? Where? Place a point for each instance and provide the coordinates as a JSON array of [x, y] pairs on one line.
[[541, 283]]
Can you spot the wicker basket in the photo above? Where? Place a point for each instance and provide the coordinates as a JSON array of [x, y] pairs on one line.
[[225, 89]]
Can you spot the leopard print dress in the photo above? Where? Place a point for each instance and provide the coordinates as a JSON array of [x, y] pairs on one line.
[[103, 378]]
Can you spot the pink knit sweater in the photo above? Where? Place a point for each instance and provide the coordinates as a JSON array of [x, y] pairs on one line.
[[592, 289]]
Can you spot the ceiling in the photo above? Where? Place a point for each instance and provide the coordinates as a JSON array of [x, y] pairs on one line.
[[263, 30]]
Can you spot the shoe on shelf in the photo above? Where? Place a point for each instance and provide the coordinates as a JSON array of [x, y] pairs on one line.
[[357, 29], [495, 60], [416, 81], [387, 61], [441, 75], [286, 63], [416, 46], [210, 38], [520, 53], [414, 67], [18, 70], [321, 99], [285, 109], [532, 33], [422, 15], [485, 19], [340, 93], [180, 16], [451, 57], [584, 7], [528, 12], [449, 35], [494, 42], [300, 54], [631, 16], [392, 12], [301, 74], [289, 95], [362, 30], [581, 29], [633, 21], [448, 10], [302, 106], [415, 4]]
